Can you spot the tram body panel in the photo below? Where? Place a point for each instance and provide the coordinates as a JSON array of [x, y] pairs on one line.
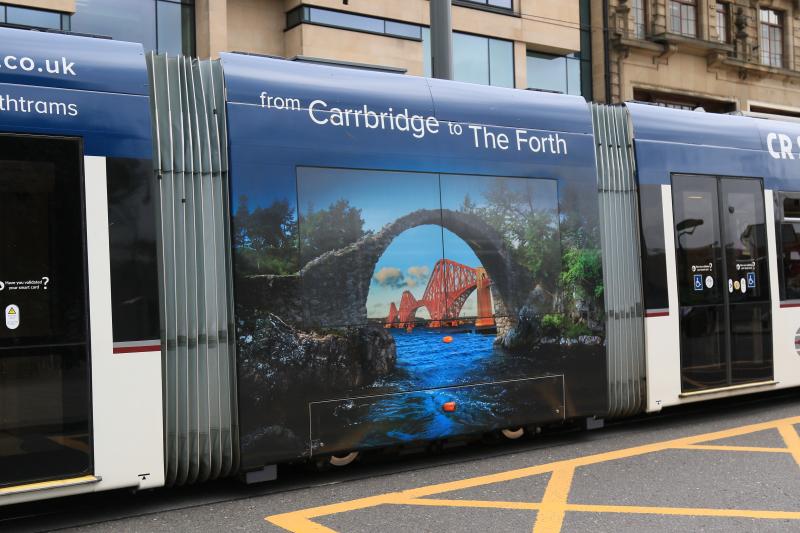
[[413, 225], [76, 149], [413, 260], [739, 357]]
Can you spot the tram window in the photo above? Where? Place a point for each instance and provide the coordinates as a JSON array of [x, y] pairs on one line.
[[654, 258], [790, 246], [132, 238], [45, 425], [791, 207]]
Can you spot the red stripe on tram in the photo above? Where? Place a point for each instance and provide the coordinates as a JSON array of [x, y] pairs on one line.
[[137, 349]]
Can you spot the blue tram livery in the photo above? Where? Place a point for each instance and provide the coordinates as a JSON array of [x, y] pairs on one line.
[[209, 268]]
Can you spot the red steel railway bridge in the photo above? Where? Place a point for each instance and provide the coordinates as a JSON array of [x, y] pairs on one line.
[[448, 289]]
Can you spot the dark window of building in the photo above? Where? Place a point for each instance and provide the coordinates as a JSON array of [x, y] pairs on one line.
[[402, 29], [350, 21], [34, 18], [175, 27], [345, 20], [502, 4], [586, 49], [685, 102], [771, 24], [723, 28], [639, 16], [773, 111], [789, 232], [477, 59], [683, 17], [165, 26], [558, 74]]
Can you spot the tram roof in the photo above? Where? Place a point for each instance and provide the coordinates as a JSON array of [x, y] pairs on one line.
[[67, 85], [101, 65], [247, 76], [660, 124]]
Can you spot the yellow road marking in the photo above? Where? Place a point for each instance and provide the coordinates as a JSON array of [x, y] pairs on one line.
[[621, 509], [562, 472], [685, 511], [719, 448], [476, 504], [554, 502], [297, 524], [791, 439]]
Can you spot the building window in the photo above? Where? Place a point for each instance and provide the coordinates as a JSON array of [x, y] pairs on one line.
[[771, 24], [683, 17], [502, 4], [586, 49], [682, 101], [175, 27], [476, 59], [558, 74], [482, 60], [34, 18], [639, 16], [166, 26], [723, 28], [773, 112], [350, 21]]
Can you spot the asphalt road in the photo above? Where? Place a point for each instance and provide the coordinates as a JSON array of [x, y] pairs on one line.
[[730, 466]]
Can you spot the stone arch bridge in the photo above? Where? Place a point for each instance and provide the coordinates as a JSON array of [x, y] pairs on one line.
[[335, 286]]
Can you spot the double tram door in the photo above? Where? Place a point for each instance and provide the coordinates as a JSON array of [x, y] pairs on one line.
[[723, 281], [45, 428]]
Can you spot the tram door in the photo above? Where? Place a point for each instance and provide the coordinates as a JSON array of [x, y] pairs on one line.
[[44, 359], [723, 281]]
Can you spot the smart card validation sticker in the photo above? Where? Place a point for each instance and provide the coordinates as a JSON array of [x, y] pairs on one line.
[[12, 316]]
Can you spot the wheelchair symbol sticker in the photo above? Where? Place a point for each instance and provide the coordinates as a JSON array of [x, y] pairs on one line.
[[698, 282], [751, 280]]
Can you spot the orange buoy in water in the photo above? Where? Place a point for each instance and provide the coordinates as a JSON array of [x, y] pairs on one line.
[[447, 340]]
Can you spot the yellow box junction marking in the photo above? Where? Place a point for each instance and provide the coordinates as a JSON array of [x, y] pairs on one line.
[[555, 502]]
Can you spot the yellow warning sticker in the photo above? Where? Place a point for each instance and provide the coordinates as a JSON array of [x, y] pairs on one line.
[[12, 316]]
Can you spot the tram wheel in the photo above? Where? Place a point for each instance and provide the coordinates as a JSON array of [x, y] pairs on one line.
[[343, 460], [513, 434]]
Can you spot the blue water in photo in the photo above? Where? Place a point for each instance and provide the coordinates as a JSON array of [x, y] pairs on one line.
[[425, 361]]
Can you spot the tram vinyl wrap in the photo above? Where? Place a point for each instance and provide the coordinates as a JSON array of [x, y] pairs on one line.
[[212, 267]]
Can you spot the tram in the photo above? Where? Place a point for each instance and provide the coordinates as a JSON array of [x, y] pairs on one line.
[[209, 268]]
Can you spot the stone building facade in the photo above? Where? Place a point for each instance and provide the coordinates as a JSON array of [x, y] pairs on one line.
[[493, 40], [736, 56], [724, 56], [525, 44]]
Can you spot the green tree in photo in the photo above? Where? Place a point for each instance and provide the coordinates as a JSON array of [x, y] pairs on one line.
[[329, 229], [558, 248], [530, 231], [265, 239]]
